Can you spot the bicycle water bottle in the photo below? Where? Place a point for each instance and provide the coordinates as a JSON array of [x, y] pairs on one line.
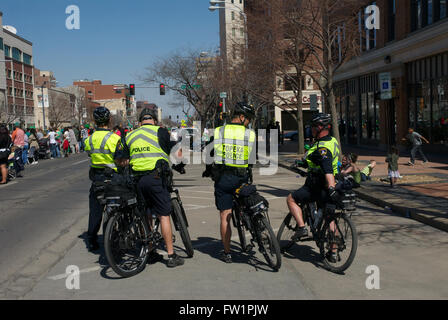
[[317, 218]]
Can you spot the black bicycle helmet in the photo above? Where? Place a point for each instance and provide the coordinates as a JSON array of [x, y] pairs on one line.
[[101, 115], [244, 109], [322, 119], [148, 112]]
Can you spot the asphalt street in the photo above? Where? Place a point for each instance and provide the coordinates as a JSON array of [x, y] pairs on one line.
[[44, 215]]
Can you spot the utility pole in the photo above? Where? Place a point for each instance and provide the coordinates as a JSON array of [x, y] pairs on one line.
[[43, 104]]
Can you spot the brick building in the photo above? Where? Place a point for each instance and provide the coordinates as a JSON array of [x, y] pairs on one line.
[[411, 45], [16, 77], [115, 97]]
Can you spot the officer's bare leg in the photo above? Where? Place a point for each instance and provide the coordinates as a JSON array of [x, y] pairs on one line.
[[167, 233], [295, 210], [226, 230]]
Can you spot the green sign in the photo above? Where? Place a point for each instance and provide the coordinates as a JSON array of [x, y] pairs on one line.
[[195, 86]]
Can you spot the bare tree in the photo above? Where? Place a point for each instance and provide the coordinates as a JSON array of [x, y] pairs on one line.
[[191, 76], [60, 110], [332, 35]]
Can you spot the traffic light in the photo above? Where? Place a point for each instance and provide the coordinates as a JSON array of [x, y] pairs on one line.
[[220, 106], [132, 89], [162, 89]]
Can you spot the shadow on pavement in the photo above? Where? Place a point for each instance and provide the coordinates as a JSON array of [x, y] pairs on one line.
[[213, 247], [304, 253]]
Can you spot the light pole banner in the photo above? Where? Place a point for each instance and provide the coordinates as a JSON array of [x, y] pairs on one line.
[[39, 98]]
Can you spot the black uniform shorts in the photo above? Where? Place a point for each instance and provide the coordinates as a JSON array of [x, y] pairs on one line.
[[225, 189], [156, 195], [307, 194]]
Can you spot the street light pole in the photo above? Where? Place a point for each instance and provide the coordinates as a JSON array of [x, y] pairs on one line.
[[43, 105]]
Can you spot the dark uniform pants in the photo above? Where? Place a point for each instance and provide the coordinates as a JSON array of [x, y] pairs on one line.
[[95, 208]]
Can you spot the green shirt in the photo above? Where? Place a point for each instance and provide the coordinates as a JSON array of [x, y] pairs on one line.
[[392, 160]]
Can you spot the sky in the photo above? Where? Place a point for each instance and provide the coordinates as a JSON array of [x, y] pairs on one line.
[[116, 39]]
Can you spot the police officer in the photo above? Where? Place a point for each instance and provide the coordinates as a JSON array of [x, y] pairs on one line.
[[101, 148], [322, 163], [233, 150], [148, 149]]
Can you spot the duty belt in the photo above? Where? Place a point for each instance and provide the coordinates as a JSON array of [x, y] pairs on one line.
[[241, 172]]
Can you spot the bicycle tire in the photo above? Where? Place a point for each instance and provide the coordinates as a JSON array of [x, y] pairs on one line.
[[354, 243], [264, 230], [285, 233], [113, 229], [241, 232], [182, 227]]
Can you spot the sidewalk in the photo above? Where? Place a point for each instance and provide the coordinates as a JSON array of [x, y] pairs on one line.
[[422, 193]]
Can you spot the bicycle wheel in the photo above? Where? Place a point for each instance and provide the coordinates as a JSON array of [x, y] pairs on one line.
[[125, 243], [182, 227], [241, 231], [268, 244], [339, 232], [285, 233]]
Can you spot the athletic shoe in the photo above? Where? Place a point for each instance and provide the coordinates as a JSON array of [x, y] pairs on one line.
[[333, 257], [301, 232], [226, 257], [93, 245], [174, 260]]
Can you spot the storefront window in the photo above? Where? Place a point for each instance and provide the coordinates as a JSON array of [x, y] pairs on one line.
[[440, 111], [352, 120], [373, 126]]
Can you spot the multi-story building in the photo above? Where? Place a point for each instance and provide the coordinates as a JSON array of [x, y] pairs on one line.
[[115, 97], [232, 30], [411, 48], [43, 81], [140, 105], [16, 65]]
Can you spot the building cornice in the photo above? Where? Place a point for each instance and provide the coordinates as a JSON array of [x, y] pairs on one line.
[[18, 37]]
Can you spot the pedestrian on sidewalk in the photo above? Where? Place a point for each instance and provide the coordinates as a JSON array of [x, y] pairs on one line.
[[392, 161], [66, 147], [33, 155], [416, 140], [5, 151]]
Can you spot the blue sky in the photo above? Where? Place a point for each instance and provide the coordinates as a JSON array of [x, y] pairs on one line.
[[117, 39]]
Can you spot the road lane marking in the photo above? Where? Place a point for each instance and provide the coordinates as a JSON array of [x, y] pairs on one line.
[[80, 162], [64, 275], [8, 184]]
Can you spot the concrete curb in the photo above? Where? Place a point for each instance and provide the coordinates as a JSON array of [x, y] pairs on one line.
[[422, 216]]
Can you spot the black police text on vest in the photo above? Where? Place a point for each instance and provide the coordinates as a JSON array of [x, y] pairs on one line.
[[142, 149], [233, 152]]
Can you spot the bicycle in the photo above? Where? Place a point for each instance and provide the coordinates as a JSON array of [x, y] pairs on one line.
[[130, 235], [331, 227], [254, 218]]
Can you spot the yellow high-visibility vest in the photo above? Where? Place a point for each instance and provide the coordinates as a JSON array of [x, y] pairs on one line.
[[233, 145], [100, 147], [144, 148], [335, 150]]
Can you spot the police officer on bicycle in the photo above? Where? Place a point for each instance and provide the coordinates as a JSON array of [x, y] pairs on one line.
[[322, 163], [233, 150], [100, 147], [148, 149]]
